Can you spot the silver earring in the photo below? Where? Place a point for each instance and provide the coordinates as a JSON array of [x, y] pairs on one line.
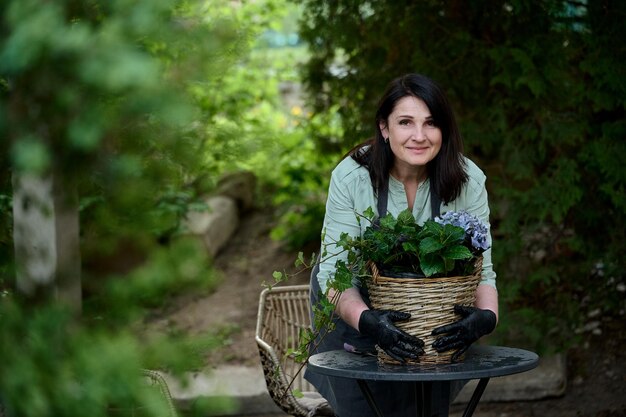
[[386, 140]]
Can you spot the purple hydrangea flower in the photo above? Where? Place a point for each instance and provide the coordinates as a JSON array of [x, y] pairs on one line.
[[475, 230]]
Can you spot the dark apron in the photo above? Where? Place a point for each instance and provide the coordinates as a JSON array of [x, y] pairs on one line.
[[395, 399]]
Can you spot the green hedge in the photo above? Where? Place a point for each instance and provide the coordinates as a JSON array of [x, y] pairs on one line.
[[539, 88]]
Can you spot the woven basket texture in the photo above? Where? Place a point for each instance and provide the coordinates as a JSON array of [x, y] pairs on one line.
[[430, 301]]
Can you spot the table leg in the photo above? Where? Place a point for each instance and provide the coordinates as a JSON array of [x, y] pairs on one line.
[[367, 393], [432, 399], [420, 397], [478, 392], [441, 399]]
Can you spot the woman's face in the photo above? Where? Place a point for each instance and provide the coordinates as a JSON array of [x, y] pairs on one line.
[[412, 134]]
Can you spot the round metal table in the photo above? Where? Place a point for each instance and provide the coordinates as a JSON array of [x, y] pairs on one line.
[[431, 382]]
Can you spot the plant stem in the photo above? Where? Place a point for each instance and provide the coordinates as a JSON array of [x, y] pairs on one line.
[[323, 324]]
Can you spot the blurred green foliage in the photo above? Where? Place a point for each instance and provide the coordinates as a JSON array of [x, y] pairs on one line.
[[539, 89], [142, 105], [259, 123], [139, 106], [54, 366]]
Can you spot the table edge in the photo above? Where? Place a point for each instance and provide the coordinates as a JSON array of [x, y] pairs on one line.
[[408, 377]]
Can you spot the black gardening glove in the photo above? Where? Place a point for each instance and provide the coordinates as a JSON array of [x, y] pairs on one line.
[[398, 344], [461, 334]]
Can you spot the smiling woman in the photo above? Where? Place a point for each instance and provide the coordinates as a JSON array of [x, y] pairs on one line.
[[415, 164], [414, 139]]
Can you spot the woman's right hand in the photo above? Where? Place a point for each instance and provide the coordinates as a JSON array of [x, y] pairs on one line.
[[398, 344]]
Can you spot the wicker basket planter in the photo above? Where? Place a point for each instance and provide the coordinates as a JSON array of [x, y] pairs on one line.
[[431, 304]]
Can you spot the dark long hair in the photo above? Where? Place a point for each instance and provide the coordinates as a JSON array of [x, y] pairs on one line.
[[446, 171]]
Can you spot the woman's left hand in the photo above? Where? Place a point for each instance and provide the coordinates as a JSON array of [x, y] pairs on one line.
[[474, 324]]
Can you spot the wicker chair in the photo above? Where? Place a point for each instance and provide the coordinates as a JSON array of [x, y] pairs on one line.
[[153, 381], [283, 312], [157, 379]]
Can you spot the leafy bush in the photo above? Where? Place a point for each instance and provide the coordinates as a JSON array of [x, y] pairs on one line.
[[113, 98], [539, 92], [57, 366]]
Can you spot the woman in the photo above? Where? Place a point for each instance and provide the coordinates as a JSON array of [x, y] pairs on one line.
[[414, 161]]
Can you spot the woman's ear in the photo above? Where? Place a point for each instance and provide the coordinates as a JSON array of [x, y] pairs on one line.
[[383, 128]]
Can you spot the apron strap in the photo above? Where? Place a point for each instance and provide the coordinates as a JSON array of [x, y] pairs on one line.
[[383, 193]]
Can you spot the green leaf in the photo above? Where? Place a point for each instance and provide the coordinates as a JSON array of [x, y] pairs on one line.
[[409, 247], [388, 222], [448, 265], [278, 276], [454, 233], [429, 245], [344, 241], [383, 248], [306, 336], [327, 307], [430, 228], [300, 259], [408, 230], [431, 265], [457, 252], [343, 277], [406, 218], [369, 213]]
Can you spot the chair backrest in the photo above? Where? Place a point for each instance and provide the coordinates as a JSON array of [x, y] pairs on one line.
[[155, 378], [283, 312]]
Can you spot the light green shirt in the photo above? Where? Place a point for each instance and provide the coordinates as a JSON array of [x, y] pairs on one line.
[[351, 192]]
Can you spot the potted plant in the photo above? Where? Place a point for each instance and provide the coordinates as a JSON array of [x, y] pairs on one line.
[[421, 269]]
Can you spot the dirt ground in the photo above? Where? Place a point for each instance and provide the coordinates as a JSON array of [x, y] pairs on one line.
[[596, 370]]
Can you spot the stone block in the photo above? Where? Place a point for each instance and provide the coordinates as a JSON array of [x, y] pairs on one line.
[[241, 390], [240, 186], [216, 225]]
